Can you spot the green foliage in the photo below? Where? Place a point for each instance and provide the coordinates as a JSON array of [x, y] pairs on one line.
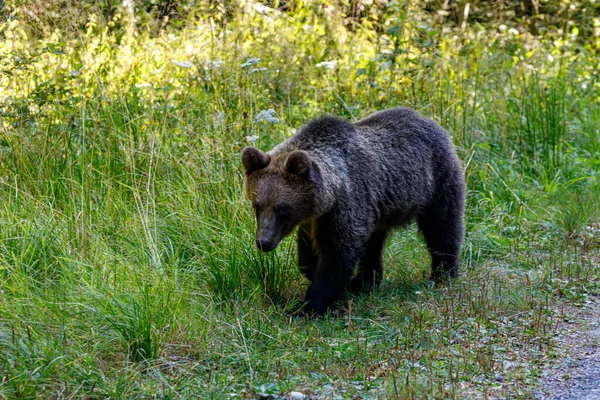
[[127, 260], [142, 322]]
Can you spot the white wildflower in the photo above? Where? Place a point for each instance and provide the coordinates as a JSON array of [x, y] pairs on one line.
[[252, 139], [250, 61], [143, 85], [214, 64], [183, 64], [219, 119], [327, 64], [513, 31], [261, 8], [268, 116], [130, 6]]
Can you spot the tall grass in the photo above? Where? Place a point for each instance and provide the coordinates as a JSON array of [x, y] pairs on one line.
[[127, 260]]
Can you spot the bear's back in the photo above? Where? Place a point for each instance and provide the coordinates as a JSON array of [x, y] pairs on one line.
[[326, 132], [398, 125]]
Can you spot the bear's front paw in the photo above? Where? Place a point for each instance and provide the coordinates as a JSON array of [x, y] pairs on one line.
[[310, 309], [359, 285]]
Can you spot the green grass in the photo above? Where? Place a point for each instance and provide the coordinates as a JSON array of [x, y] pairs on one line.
[[127, 260]]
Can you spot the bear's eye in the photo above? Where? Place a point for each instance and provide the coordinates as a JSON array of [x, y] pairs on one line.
[[282, 209]]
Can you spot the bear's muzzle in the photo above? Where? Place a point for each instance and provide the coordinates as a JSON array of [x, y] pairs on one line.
[[266, 245]]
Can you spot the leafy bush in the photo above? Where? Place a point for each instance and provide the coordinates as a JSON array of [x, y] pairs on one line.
[[127, 260]]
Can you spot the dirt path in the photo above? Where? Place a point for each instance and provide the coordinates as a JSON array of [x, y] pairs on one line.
[[577, 372]]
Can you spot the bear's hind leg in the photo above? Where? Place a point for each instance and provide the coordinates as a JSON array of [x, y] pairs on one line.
[[370, 268], [442, 228], [307, 258]]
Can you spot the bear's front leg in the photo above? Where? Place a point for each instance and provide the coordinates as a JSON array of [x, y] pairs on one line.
[[336, 267], [308, 260], [370, 271]]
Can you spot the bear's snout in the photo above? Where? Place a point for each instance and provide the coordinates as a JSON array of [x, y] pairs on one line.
[[269, 233], [265, 245]]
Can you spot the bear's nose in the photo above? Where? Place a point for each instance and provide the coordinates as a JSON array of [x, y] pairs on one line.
[[264, 245]]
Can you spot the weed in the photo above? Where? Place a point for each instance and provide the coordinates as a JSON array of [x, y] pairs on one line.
[[127, 260]]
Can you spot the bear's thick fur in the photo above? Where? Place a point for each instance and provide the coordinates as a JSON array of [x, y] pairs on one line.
[[345, 186]]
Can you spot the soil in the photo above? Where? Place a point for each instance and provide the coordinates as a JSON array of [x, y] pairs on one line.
[[576, 373]]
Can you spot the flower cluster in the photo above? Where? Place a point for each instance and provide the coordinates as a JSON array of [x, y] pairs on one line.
[[268, 116]]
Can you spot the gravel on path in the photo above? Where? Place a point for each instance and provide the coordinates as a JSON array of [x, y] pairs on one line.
[[576, 375]]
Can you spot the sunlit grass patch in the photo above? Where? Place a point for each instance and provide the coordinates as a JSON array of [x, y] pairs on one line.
[[128, 265]]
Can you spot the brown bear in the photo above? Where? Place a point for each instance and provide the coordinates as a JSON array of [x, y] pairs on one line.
[[346, 185]]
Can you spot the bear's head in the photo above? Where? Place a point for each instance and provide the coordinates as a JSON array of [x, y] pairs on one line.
[[283, 189]]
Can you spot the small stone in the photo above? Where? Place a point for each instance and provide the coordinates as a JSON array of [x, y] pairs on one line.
[[297, 395]]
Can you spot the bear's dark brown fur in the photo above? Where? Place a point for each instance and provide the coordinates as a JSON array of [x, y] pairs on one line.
[[345, 186]]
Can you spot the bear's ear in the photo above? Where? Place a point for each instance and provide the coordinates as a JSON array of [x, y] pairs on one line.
[[299, 163], [253, 159]]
